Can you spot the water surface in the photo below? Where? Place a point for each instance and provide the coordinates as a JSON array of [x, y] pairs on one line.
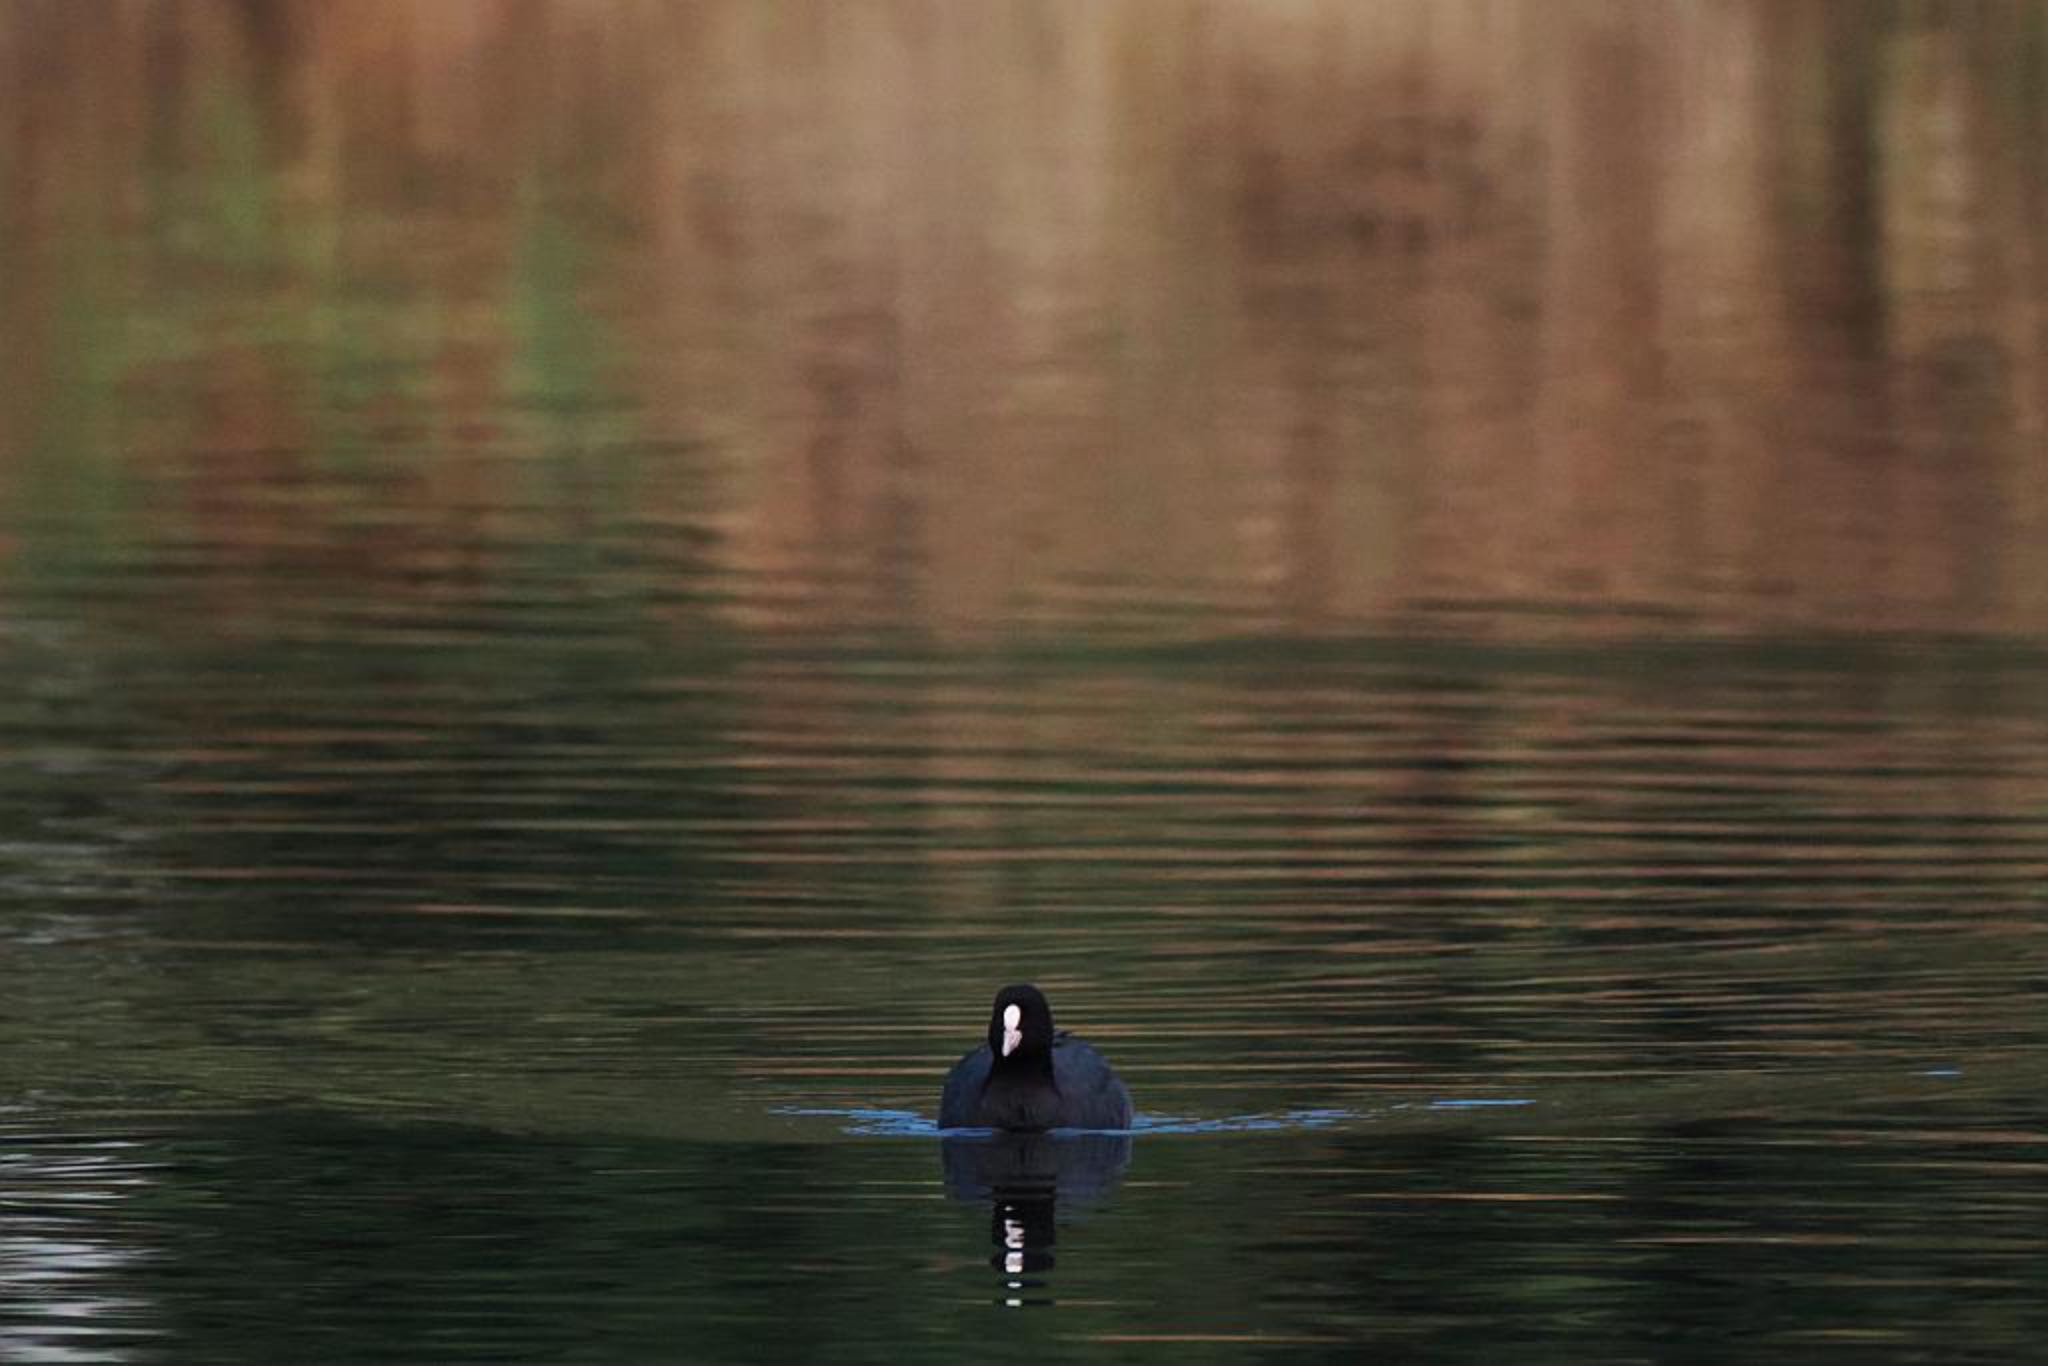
[[1462, 584]]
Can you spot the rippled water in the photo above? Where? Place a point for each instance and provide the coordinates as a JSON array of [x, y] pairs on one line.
[[1463, 584]]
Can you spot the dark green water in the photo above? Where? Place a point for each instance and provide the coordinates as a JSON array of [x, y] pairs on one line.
[[1463, 585]]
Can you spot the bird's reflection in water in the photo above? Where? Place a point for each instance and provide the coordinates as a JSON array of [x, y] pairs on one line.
[[1029, 1180]]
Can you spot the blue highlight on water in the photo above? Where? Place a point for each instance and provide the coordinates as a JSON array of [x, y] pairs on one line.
[[1471, 1104], [875, 1122]]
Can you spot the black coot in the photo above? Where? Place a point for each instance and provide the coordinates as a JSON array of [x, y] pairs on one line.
[[1026, 1077]]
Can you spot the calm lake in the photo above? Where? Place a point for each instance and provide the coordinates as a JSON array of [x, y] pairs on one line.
[[1463, 582]]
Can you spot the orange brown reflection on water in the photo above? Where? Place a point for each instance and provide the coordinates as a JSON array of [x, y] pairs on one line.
[[1037, 316]]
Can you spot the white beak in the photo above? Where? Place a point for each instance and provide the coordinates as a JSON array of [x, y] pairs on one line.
[[1012, 1035]]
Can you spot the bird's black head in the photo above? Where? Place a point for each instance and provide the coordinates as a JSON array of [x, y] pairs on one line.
[[1020, 1025]]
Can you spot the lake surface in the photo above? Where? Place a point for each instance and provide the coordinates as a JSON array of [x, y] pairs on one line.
[[1465, 585]]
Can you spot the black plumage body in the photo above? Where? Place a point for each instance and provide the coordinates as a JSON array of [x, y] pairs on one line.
[[1047, 1080]]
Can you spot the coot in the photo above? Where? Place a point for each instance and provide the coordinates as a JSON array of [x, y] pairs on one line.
[[1026, 1077]]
